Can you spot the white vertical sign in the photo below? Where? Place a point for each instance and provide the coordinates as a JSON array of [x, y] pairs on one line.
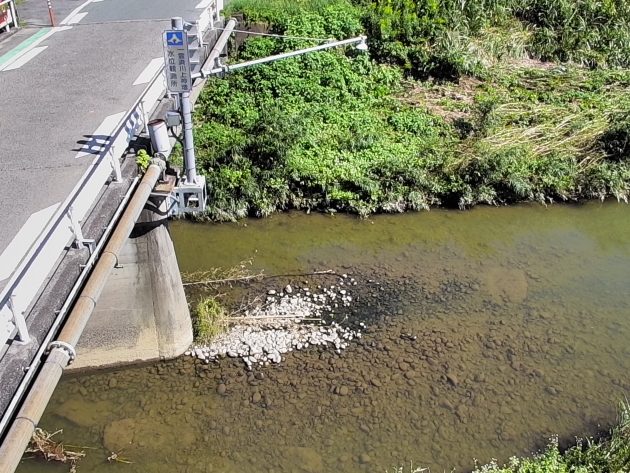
[[177, 61]]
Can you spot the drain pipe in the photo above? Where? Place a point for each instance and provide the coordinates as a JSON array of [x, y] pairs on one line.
[[61, 351]]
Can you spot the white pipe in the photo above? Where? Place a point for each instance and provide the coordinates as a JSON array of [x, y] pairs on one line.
[[255, 62]]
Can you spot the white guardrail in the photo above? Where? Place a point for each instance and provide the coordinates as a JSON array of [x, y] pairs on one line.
[[64, 226], [8, 15]]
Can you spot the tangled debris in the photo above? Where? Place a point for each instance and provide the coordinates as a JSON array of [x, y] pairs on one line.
[[42, 444]]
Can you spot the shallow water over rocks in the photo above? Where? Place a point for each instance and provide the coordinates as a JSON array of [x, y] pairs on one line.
[[486, 332]]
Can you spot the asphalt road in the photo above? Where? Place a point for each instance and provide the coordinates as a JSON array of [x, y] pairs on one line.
[[51, 106]]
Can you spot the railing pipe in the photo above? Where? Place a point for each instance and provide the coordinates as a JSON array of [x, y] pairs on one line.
[[277, 57], [219, 46]]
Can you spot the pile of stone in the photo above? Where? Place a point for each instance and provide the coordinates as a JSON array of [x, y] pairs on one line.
[[291, 319]]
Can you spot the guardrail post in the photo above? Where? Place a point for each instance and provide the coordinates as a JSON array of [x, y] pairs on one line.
[[79, 239], [145, 118], [115, 164], [18, 320], [76, 228]]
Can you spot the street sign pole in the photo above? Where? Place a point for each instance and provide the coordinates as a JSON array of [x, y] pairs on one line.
[[179, 80], [189, 146]]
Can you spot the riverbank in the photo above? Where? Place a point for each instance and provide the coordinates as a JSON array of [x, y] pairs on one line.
[[610, 453], [481, 113]]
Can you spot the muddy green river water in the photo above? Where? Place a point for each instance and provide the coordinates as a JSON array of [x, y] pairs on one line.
[[487, 332]]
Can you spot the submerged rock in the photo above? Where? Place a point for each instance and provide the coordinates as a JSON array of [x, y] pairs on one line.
[[306, 459], [119, 434]]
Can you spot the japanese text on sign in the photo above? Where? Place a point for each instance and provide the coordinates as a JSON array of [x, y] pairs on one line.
[[177, 61]]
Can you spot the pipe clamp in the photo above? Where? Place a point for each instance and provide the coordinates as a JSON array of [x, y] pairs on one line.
[[69, 349]]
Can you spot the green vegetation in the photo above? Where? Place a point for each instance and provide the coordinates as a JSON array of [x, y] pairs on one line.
[[611, 454], [606, 455], [143, 159], [453, 106], [209, 319]]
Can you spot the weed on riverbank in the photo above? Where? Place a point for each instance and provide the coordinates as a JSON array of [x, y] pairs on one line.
[[609, 454], [452, 108]]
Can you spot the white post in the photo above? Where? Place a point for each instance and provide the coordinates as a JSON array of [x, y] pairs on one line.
[[76, 228], [18, 320], [115, 165]]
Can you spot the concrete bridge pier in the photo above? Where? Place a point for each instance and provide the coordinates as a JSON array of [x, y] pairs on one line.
[[142, 314]]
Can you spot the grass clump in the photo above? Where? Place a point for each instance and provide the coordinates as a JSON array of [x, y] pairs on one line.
[[209, 319]]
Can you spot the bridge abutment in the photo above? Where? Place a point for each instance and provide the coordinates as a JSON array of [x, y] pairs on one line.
[[142, 314]]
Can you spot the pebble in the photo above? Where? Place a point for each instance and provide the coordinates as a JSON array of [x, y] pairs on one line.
[[256, 397], [364, 458], [344, 391], [221, 389], [451, 378]]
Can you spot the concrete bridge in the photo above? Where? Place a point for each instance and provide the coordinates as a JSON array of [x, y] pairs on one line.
[[77, 99]]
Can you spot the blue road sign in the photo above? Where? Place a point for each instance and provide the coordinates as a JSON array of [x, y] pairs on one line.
[[174, 38], [177, 61]]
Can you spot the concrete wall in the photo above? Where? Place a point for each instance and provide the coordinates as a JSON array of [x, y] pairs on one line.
[[142, 314]]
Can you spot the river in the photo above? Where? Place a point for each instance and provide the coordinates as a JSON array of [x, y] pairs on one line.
[[487, 331]]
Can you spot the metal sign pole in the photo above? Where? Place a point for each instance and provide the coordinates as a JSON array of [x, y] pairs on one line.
[[189, 145], [177, 24]]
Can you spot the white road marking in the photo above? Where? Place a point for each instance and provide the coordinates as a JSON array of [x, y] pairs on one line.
[[7, 66], [99, 138], [147, 74], [24, 58], [204, 3], [77, 18], [74, 12], [26, 236]]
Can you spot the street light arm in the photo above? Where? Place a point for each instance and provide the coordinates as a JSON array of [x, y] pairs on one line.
[[277, 57]]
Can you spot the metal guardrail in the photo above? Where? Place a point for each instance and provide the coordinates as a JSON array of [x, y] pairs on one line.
[[8, 17], [26, 281]]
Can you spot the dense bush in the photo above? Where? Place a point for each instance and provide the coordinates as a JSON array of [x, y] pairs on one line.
[[340, 130], [444, 38]]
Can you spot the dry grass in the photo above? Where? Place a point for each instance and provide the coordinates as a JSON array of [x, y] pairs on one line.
[[218, 276], [43, 445]]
